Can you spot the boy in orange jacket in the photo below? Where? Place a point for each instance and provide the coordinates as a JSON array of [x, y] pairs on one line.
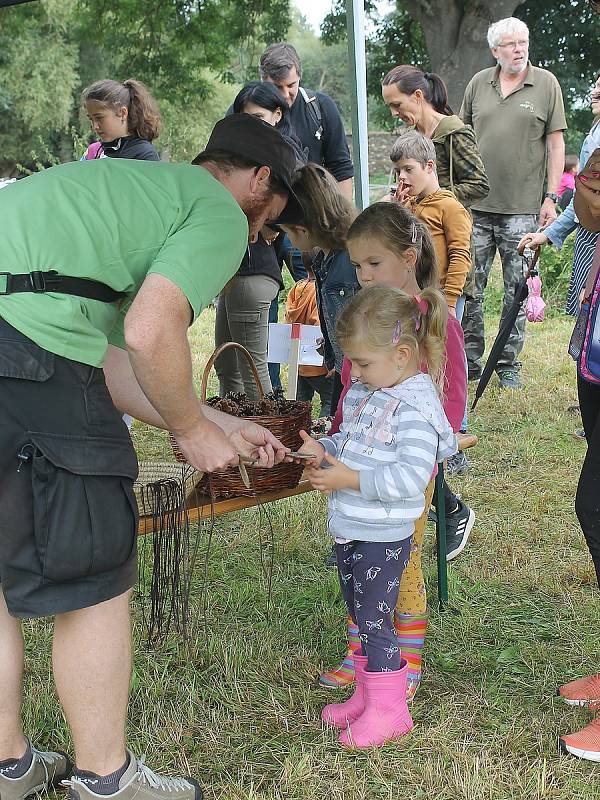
[[449, 222], [301, 306]]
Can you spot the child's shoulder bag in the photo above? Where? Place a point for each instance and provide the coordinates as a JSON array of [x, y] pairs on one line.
[[584, 346]]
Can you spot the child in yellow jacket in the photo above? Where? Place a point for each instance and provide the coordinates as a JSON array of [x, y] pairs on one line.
[[449, 222]]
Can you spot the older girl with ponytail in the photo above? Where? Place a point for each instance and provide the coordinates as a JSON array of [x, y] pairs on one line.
[[124, 117]]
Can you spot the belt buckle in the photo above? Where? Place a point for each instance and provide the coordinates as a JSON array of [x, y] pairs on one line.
[[37, 280], [7, 283]]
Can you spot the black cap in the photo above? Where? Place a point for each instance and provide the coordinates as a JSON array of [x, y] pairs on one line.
[[261, 144]]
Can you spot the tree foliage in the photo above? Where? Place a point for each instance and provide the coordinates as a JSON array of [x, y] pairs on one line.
[[183, 49]]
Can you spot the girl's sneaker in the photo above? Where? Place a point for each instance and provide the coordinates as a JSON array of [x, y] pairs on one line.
[[583, 744], [582, 692]]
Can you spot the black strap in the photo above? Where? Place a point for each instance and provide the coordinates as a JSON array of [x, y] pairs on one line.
[[314, 109], [40, 282]]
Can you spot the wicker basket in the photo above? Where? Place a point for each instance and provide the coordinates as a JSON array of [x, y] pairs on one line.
[[228, 482]]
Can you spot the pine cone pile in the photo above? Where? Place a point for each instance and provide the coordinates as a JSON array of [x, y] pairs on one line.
[[273, 404]]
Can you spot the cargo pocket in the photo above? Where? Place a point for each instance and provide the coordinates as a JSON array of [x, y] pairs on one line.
[[23, 359], [84, 509]]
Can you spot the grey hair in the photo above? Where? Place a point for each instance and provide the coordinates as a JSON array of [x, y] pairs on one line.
[[504, 27], [413, 144], [277, 60]]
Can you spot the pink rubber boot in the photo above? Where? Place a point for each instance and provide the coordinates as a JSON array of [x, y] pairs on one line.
[[386, 715], [343, 714]]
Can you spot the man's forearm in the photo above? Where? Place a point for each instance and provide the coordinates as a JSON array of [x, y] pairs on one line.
[[129, 398], [556, 163], [346, 188]]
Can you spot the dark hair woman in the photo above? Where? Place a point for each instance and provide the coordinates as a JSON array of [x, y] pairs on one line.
[[243, 305]]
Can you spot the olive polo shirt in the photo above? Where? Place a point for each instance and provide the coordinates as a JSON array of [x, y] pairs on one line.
[[115, 221], [511, 133]]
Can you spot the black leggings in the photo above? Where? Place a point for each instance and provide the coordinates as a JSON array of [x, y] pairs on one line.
[[587, 499]]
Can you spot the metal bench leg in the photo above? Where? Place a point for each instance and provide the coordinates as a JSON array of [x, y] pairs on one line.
[[440, 535]]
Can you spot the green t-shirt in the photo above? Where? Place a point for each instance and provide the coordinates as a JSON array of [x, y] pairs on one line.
[[114, 220], [511, 133]]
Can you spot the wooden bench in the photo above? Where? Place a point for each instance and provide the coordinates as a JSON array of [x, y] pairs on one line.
[[202, 509]]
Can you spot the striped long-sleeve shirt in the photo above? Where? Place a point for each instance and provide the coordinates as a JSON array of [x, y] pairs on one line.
[[393, 437]]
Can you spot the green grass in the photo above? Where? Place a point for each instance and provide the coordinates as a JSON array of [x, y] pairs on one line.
[[241, 710]]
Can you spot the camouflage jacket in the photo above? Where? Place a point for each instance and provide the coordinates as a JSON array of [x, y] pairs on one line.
[[460, 169], [459, 165]]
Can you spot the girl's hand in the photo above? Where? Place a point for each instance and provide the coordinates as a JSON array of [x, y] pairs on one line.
[[336, 476], [309, 447], [532, 240]]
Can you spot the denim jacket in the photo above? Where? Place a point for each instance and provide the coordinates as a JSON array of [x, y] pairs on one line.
[[567, 222], [336, 286]]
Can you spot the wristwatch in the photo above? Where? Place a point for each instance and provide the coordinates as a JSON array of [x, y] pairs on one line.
[[552, 196]]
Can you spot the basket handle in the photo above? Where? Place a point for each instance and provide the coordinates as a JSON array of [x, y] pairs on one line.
[[213, 358]]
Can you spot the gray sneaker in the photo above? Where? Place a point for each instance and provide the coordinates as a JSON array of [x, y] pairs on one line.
[[509, 379], [458, 464], [139, 782], [46, 771]]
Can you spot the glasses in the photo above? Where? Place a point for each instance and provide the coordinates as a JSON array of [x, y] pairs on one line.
[[513, 45]]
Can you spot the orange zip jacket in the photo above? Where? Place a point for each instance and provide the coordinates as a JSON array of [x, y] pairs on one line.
[[301, 306], [450, 225]]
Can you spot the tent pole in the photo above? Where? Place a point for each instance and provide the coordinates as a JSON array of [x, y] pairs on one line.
[[355, 12]]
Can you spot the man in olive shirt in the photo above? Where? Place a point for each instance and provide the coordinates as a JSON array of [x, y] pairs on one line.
[[517, 113], [106, 264]]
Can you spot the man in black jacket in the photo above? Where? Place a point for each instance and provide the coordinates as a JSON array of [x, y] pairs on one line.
[[314, 116]]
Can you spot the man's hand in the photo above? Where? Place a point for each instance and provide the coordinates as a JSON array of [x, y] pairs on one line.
[[207, 448], [255, 442], [547, 213], [333, 478], [532, 240]]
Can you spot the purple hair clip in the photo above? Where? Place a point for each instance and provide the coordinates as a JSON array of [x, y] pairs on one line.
[[396, 334], [417, 321]]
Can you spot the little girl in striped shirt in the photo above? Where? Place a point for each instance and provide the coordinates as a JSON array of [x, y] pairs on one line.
[[375, 471]]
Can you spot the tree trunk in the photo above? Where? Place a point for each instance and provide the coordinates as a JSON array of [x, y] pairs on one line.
[[456, 37]]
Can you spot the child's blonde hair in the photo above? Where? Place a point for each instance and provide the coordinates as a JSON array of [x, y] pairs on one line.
[[327, 213], [383, 317]]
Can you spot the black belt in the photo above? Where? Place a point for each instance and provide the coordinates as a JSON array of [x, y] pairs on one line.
[[40, 282]]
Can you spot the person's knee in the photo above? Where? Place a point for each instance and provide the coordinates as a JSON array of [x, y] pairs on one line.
[[587, 509]]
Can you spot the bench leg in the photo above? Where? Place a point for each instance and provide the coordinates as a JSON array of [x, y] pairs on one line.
[[440, 535]]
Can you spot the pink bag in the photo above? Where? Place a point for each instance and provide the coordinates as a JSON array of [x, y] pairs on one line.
[[94, 151], [534, 308]]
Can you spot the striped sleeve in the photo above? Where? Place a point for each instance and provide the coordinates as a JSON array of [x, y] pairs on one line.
[[408, 476]]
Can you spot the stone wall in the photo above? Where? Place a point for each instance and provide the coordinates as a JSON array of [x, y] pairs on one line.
[[380, 144]]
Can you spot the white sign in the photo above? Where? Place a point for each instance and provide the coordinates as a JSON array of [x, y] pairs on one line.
[[280, 337]]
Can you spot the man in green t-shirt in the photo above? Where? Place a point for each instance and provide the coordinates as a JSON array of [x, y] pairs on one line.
[[517, 113], [104, 266]]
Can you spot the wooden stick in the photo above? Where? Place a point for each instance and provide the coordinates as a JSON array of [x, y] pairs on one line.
[[293, 361]]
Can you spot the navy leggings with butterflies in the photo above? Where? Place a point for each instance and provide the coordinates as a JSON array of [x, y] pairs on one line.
[[370, 575]]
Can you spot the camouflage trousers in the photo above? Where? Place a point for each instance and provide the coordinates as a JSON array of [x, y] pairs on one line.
[[493, 232]]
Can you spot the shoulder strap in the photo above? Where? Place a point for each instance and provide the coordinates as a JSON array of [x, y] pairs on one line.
[[314, 108], [451, 164], [594, 269]]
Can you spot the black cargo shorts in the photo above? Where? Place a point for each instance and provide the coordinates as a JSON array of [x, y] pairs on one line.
[[68, 514]]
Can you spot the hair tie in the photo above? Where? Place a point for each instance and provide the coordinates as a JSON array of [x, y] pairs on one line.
[[413, 233], [396, 333], [422, 304]]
